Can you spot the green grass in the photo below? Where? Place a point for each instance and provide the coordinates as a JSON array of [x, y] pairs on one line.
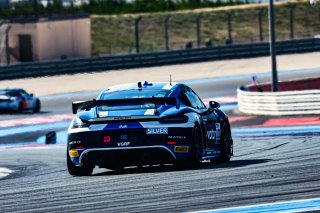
[[115, 34]]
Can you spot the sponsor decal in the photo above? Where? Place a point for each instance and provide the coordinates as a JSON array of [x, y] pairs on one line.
[[124, 137], [122, 118], [213, 152], [211, 135], [122, 144], [181, 149], [123, 126], [218, 133], [157, 131], [180, 137], [74, 142], [73, 153]]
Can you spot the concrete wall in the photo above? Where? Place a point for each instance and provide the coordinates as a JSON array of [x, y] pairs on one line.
[[52, 39], [293, 85], [64, 39], [22, 29]]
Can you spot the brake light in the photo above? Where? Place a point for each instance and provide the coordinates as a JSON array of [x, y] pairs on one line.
[[79, 147], [171, 143], [106, 139]]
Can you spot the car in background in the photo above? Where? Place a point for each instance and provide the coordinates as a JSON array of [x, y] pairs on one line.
[[18, 100], [146, 124]]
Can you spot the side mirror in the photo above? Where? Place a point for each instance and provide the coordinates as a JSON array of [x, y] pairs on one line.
[[214, 105], [31, 94]]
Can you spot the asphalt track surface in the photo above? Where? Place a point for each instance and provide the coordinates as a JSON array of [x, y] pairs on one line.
[[263, 170]]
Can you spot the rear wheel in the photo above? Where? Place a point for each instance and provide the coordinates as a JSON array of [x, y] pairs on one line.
[[226, 145], [78, 170], [20, 108], [37, 107], [196, 152]]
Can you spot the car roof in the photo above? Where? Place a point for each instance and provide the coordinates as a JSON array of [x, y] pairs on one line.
[[144, 86], [9, 90]]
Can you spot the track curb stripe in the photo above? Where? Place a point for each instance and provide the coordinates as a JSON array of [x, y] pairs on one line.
[[35, 120]]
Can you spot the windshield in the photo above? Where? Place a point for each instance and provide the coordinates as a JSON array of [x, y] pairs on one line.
[[8, 93]]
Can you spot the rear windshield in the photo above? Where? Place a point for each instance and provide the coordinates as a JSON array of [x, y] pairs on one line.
[[134, 94], [131, 94]]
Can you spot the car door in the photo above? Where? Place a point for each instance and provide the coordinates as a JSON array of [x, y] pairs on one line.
[[208, 121], [208, 126]]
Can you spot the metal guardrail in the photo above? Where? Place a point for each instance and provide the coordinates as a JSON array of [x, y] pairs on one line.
[[279, 103], [102, 63]]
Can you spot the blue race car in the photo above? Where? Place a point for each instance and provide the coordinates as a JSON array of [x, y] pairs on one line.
[[18, 100], [146, 124]]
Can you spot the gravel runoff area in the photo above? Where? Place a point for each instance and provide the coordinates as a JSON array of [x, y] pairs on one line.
[[97, 81]]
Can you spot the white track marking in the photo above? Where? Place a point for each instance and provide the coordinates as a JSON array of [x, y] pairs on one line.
[[4, 172]]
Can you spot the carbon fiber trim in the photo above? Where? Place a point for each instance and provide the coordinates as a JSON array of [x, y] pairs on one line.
[[126, 148]]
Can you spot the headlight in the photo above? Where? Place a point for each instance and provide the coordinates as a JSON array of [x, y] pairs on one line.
[[174, 119], [80, 123]]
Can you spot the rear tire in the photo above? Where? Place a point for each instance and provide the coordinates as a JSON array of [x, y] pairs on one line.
[[196, 152], [37, 107], [78, 170], [226, 145], [20, 108]]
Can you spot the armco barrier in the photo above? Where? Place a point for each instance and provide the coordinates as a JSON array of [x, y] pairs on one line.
[[299, 102], [37, 69]]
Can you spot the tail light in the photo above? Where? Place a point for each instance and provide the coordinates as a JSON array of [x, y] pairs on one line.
[[171, 143]]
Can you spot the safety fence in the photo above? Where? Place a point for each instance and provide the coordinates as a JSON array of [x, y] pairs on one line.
[[103, 63]]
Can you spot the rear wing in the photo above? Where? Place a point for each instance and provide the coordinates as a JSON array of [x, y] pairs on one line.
[[81, 105]]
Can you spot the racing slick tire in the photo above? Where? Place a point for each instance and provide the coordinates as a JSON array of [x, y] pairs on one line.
[[78, 170], [195, 158], [37, 107], [20, 108], [226, 145]]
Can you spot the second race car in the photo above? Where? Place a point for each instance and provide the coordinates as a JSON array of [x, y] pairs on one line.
[[18, 100], [146, 124]]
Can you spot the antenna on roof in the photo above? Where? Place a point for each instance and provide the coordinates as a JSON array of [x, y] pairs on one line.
[[170, 80]]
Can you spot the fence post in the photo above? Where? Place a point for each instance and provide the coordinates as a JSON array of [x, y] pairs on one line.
[[136, 32], [4, 43], [35, 8], [230, 26], [198, 29], [291, 16], [166, 34], [260, 25]]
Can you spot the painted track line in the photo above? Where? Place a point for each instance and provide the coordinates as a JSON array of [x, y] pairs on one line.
[[277, 207], [33, 128], [4, 172], [293, 121], [35, 120], [273, 131]]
